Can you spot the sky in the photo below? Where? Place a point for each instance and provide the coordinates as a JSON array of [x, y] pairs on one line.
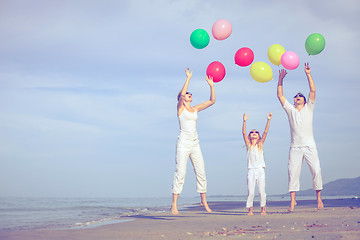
[[88, 93]]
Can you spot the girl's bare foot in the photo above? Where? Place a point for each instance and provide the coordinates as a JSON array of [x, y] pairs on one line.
[[250, 213], [263, 211]]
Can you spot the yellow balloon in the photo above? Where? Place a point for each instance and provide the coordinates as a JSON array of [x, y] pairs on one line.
[[261, 72], [274, 54]]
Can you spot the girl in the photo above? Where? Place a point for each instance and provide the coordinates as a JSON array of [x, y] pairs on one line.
[[256, 164], [188, 143]]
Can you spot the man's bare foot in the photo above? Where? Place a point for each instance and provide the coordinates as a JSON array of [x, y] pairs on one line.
[[292, 206], [320, 205], [263, 211], [206, 206], [174, 210]]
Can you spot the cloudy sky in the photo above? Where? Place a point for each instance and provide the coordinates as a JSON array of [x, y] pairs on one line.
[[88, 93]]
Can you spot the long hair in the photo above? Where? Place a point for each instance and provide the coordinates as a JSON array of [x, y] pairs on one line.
[[259, 146]]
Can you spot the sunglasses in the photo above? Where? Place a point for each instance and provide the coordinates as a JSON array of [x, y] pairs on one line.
[[189, 93], [300, 95], [254, 132]]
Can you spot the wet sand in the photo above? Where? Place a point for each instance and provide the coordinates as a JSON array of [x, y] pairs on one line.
[[340, 219]]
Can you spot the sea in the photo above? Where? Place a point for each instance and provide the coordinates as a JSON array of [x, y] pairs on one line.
[[29, 213], [25, 213]]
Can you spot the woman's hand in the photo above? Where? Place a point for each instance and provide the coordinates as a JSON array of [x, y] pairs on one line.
[[209, 80], [269, 116], [188, 73]]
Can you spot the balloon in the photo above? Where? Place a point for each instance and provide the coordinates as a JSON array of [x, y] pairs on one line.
[[261, 72], [315, 43], [244, 57], [221, 29], [290, 60], [216, 70], [199, 38], [274, 53]]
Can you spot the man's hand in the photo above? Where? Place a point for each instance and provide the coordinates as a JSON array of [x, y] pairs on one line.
[[307, 68], [282, 73]]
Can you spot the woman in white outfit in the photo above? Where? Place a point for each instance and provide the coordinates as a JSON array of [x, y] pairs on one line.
[[188, 143], [256, 164]]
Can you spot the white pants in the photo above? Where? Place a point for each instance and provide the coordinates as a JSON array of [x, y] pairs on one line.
[[256, 176], [185, 148], [296, 156]]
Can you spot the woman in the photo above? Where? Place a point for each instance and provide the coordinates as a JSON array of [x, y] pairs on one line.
[[188, 143], [256, 164]]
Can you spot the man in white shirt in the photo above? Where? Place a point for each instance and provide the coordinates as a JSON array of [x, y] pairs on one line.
[[302, 145]]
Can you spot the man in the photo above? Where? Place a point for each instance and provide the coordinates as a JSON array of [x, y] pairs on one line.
[[302, 145]]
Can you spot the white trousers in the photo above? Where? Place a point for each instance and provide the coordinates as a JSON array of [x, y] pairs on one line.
[[256, 176], [296, 156], [185, 148]]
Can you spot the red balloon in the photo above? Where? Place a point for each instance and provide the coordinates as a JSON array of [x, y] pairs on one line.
[[244, 57], [216, 70]]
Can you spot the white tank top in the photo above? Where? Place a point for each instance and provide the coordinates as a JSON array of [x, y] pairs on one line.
[[255, 157], [187, 122]]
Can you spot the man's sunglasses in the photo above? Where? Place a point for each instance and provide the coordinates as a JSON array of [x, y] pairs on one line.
[[300, 95]]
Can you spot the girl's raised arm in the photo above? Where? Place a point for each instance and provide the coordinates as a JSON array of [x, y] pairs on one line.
[[269, 116], [245, 136]]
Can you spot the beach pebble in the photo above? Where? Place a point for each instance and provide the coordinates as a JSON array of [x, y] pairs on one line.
[[189, 233]]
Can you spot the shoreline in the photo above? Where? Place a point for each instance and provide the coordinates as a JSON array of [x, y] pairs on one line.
[[339, 219]]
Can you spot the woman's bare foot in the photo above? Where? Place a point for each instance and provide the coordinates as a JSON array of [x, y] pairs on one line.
[[174, 210], [250, 213], [206, 206], [263, 211]]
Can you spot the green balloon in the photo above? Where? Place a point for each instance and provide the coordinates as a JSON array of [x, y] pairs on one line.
[[315, 43], [199, 38]]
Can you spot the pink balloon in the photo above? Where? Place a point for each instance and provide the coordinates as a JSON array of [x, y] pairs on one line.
[[290, 60], [244, 57], [221, 29], [216, 70]]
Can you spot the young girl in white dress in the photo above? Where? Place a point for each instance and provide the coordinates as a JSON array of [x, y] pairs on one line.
[[256, 164]]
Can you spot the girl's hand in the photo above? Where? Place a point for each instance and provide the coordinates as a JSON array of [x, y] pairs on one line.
[[209, 80], [307, 68], [282, 73], [188, 73], [269, 116], [245, 117]]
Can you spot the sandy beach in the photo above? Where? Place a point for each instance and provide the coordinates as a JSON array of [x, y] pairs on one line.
[[340, 219]]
